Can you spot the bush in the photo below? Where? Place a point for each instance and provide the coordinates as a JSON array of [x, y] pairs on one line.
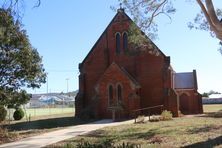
[[106, 143], [3, 113], [140, 119], [154, 119], [180, 114], [166, 115], [18, 114]]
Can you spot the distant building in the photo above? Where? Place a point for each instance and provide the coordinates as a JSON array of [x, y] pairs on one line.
[[51, 99], [113, 78]]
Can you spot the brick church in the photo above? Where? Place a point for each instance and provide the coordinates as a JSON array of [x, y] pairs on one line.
[[113, 82]]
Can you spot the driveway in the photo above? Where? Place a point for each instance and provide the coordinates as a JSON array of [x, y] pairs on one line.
[[60, 135]]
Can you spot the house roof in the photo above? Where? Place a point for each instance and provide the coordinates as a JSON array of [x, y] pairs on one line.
[[119, 11], [129, 77], [124, 72], [186, 80]]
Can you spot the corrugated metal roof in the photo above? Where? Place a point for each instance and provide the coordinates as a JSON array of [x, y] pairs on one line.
[[184, 80]]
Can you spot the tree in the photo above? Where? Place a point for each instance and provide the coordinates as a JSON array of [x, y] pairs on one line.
[[17, 6], [20, 63], [144, 13], [207, 94]]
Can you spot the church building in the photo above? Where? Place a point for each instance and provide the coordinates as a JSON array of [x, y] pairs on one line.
[[115, 82]]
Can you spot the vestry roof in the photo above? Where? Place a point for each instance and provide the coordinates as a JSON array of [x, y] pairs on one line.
[[185, 80]]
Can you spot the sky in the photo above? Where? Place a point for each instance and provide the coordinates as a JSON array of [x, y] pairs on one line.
[[64, 31]]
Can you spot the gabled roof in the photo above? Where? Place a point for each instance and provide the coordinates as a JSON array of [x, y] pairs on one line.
[[129, 77], [186, 80], [124, 72], [120, 11]]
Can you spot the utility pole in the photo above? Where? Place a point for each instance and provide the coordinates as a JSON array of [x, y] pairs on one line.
[[67, 79], [67, 87], [47, 83]]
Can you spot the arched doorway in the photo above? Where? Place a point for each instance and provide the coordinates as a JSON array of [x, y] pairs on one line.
[[184, 103]]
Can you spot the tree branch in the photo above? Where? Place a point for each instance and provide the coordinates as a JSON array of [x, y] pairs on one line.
[[207, 16], [212, 14]]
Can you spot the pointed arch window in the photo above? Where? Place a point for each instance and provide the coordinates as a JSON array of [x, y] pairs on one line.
[[119, 92], [125, 41], [118, 36], [110, 89]]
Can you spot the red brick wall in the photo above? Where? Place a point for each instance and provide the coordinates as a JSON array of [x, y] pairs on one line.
[[113, 76], [191, 103], [147, 69]]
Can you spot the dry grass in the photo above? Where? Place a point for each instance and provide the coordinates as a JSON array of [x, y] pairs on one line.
[[176, 133], [205, 130], [193, 131], [212, 108], [19, 130]]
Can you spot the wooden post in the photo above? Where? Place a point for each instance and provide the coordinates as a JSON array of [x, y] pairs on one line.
[[114, 114], [135, 116], [149, 115]]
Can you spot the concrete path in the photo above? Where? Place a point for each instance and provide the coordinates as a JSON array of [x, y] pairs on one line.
[[60, 135]]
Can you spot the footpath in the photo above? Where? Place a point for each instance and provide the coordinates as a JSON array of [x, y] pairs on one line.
[[60, 135]]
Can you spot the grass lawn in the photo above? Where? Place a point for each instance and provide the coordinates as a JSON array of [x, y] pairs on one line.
[[19, 130], [48, 111], [42, 120], [43, 113], [212, 107], [197, 131]]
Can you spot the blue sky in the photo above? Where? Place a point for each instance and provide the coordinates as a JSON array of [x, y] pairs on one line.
[[65, 31]]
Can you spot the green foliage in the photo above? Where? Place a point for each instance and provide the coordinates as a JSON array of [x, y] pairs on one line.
[[200, 22], [21, 64], [145, 12], [18, 114], [3, 113], [106, 143], [205, 95], [166, 115], [69, 145]]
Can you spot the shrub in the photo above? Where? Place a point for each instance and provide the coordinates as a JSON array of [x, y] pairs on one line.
[[18, 114], [180, 114], [68, 145], [3, 113], [140, 119], [107, 143], [154, 119], [166, 115]]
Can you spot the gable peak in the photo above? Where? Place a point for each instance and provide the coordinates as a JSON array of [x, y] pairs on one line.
[[121, 9]]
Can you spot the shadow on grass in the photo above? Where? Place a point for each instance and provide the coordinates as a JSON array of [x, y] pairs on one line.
[[45, 124], [204, 129], [206, 144], [213, 114], [122, 135]]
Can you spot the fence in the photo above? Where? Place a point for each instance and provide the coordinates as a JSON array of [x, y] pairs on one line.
[[212, 101], [147, 111]]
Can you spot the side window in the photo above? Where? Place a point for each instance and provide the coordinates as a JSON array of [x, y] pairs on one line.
[[119, 92], [125, 41], [118, 36], [110, 89]]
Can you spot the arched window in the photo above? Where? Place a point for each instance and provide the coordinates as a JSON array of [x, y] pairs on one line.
[[125, 41], [110, 94], [119, 92], [118, 43]]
